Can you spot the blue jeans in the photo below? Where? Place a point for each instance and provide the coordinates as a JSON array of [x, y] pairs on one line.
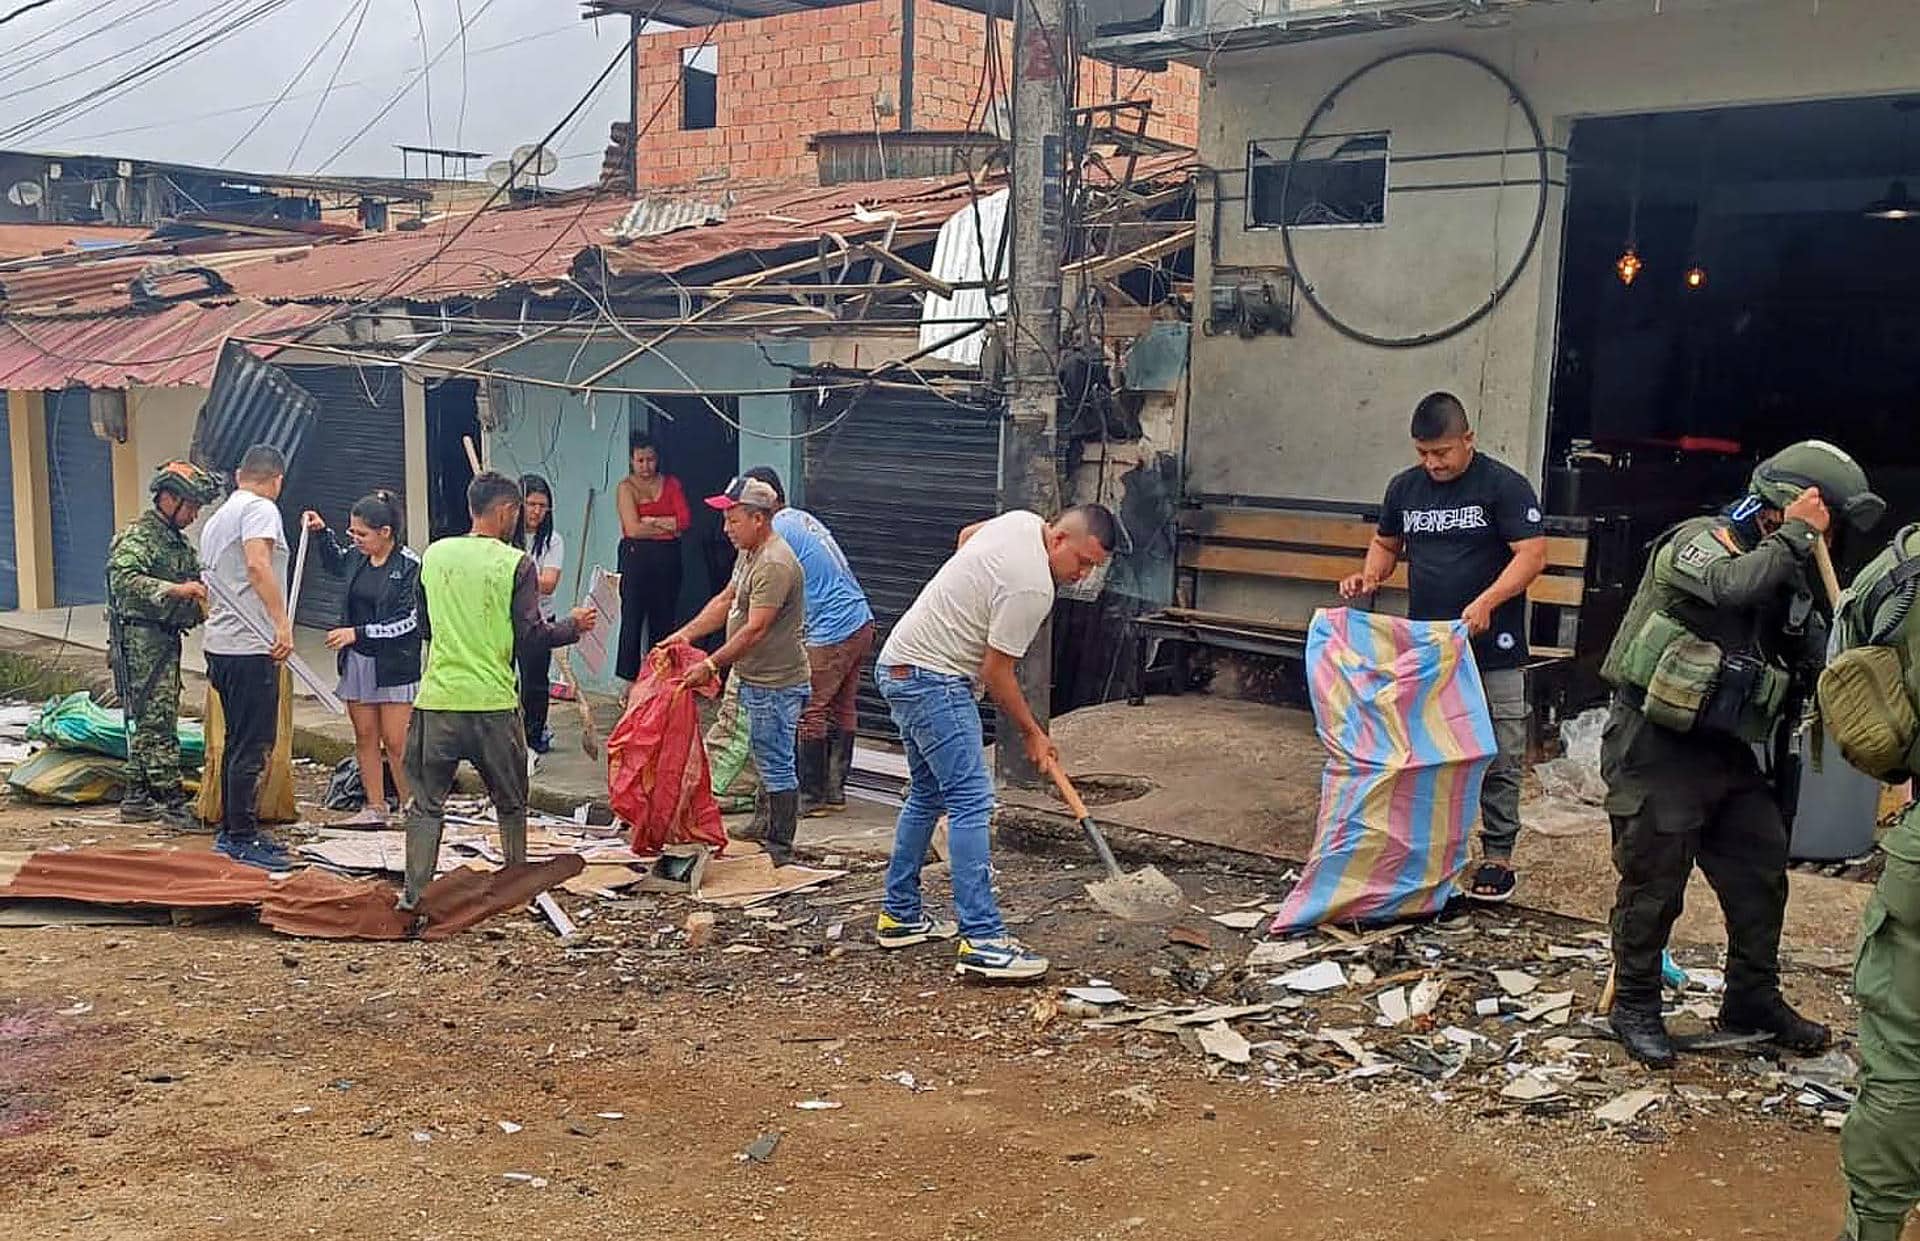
[[773, 721], [939, 722]]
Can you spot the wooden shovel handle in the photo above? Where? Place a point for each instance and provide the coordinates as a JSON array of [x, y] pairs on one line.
[[1823, 558], [1067, 794]]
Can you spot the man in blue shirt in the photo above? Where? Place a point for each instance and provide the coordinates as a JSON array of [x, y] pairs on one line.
[[839, 640]]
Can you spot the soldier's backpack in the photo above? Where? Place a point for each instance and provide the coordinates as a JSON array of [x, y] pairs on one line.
[[1867, 693]]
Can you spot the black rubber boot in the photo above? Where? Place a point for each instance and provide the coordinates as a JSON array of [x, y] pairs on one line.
[[1644, 1035], [811, 759], [782, 819], [1771, 1014], [839, 763], [756, 827]]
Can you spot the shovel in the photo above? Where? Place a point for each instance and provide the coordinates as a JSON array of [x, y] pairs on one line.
[[1144, 896]]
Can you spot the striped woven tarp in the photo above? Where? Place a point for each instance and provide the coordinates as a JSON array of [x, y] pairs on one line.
[[1399, 706]]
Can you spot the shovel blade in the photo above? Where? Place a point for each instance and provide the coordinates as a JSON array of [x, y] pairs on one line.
[[1146, 895]]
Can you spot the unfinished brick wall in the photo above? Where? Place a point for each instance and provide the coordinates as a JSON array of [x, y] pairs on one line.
[[784, 79], [950, 56]]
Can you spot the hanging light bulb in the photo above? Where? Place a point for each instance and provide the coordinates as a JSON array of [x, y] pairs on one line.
[[1695, 279], [1628, 265]]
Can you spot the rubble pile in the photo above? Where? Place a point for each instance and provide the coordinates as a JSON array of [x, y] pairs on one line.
[[1495, 1016]]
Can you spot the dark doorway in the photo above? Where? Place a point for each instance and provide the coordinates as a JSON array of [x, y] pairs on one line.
[[703, 452], [1768, 302], [453, 412]]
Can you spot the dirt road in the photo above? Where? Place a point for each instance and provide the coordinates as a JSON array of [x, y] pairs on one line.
[[221, 1081]]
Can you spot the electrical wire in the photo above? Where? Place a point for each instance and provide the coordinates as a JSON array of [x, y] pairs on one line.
[[460, 120], [25, 62], [293, 161], [23, 10], [100, 96], [291, 83], [144, 44], [426, 66], [404, 91]]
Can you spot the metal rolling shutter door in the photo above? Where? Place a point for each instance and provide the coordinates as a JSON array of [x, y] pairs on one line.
[[80, 486], [895, 482], [9, 570], [358, 443]]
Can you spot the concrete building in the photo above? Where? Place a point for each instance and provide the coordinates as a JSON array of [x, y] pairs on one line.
[[739, 96], [1381, 156]]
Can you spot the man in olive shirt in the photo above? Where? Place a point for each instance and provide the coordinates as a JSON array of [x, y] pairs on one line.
[[764, 610]]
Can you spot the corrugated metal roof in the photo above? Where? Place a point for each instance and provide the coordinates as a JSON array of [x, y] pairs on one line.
[[19, 241], [175, 347], [310, 902]]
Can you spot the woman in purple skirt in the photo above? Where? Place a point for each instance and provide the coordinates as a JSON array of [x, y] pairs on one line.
[[378, 639]]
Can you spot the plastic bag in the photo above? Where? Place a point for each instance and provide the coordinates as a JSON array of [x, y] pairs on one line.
[[1400, 708], [1575, 775], [69, 777], [657, 774], [735, 780], [77, 722]]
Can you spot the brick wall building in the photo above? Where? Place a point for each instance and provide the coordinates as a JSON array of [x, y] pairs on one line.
[[747, 103]]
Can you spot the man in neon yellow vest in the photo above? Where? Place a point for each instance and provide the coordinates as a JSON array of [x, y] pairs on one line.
[[479, 597]]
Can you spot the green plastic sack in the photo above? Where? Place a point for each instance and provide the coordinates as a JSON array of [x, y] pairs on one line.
[[69, 777], [76, 722]]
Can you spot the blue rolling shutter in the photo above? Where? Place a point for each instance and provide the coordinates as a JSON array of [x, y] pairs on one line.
[[80, 492]]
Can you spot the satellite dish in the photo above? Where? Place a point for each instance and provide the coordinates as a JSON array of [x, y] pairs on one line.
[[25, 194], [535, 161], [500, 171]]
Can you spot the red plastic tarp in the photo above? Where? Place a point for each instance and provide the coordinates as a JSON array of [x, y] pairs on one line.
[[657, 777]]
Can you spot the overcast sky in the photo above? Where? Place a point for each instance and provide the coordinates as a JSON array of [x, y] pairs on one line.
[[525, 62]]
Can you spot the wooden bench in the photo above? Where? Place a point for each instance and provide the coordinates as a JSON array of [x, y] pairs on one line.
[[1320, 549]]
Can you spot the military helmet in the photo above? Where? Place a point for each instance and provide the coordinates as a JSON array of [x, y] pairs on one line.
[[1815, 463], [186, 480]]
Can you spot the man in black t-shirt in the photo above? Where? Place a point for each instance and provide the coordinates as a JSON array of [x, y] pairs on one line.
[[1471, 531]]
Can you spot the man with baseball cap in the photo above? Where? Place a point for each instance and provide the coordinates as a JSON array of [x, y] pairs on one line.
[[763, 609]]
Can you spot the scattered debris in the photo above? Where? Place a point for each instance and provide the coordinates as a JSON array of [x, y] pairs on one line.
[[1278, 952], [1241, 919], [1096, 995], [1220, 1039], [819, 1105], [1516, 983], [761, 1149], [1320, 976], [1191, 937], [507, 1126], [699, 928], [1626, 1107], [1529, 1088]]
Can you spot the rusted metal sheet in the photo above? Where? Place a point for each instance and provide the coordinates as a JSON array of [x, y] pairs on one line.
[[251, 402], [311, 903], [19, 241], [175, 347]]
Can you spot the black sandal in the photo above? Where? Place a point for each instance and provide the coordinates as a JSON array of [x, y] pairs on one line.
[[1492, 884]]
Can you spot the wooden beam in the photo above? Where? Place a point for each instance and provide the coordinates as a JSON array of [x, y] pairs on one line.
[[1152, 252], [1281, 526], [925, 279], [1326, 569]]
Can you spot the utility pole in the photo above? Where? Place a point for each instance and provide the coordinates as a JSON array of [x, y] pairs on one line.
[[1036, 216]]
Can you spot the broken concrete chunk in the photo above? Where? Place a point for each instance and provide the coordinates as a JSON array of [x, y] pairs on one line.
[[1275, 953], [1393, 1006], [1320, 976], [1516, 983], [1547, 1006], [1221, 1040], [1425, 996], [1624, 1108], [1527, 1088], [1241, 919]]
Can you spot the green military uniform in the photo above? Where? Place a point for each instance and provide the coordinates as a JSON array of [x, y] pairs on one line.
[[1880, 1146], [1704, 667], [145, 624]]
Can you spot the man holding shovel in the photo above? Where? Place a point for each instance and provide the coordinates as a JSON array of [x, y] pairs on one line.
[[969, 627]]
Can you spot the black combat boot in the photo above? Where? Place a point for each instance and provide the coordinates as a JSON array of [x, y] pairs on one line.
[[1771, 1014], [783, 817], [1644, 1034], [811, 759], [839, 764]]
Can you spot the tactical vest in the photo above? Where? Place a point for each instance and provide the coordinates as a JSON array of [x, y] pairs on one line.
[[1869, 694], [1690, 666]]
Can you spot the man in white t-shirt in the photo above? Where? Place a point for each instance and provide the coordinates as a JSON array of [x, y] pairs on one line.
[[969, 627], [244, 547]]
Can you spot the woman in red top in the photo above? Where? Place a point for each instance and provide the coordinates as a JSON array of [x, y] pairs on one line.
[[653, 516]]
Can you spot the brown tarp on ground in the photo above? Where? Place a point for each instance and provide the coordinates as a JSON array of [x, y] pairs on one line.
[[310, 903]]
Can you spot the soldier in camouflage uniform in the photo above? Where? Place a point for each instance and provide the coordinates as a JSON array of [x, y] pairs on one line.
[[154, 595], [1703, 669]]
